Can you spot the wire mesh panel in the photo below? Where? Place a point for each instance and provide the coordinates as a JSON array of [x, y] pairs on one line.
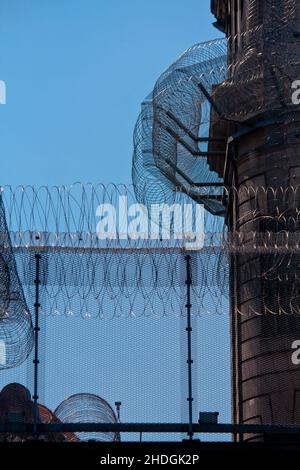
[[132, 349], [139, 360]]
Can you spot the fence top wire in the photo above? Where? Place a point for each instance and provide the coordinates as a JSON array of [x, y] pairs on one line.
[[114, 278]]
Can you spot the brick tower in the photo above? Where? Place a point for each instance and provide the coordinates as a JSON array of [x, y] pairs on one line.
[[262, 128]]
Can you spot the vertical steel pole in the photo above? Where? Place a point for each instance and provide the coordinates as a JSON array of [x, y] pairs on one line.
[[36, 361], [189, 330]]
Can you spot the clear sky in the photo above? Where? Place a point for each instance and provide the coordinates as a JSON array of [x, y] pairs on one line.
[[76, 72]]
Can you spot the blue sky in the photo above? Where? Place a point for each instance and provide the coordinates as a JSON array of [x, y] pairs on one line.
[[76, 72]]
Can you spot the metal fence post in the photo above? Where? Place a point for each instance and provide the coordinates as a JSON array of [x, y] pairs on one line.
[[36, 361], [189, 330]]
